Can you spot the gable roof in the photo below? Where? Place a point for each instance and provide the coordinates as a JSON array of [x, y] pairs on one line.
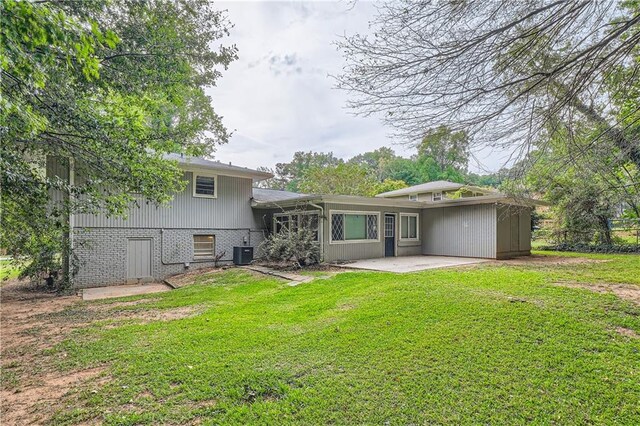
[[196, 163], [438, 185]]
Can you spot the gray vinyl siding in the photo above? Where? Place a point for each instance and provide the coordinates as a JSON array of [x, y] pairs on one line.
[[513, 231], [365, 250], [230, 210], [467, 231], [57, 167]]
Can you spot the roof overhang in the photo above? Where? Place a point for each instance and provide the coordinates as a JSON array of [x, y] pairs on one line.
[[255, 175], [338, 199], [394, 202]]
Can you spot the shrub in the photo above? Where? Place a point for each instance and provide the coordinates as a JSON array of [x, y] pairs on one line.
[[297, 247], [594, 248]]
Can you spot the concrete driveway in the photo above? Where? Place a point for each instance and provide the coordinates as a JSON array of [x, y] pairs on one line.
[[411, 263]]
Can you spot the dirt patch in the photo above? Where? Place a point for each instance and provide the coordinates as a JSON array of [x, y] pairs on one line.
[[181, 280], [34, 320], [627, 332], [624, 291], [34, 402], [538, 260]]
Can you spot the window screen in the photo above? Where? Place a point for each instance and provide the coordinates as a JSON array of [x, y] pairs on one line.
[[205, 185], [203, 246]]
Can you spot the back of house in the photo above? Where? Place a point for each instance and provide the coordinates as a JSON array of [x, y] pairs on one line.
[[220, 209]]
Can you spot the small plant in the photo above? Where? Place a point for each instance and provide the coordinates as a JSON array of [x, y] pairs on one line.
[[297, 247]]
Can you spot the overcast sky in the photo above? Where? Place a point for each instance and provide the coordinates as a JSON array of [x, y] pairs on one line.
[[278, 97]]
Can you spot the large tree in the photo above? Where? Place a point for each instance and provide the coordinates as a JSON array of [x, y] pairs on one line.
[[504, 72], [109, 87]]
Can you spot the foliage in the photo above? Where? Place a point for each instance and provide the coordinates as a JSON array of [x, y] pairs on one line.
[[297, 247], [342, 179], [449, 150], [593, 248], [389, 185], [291, 174], [376, 162], [111, 86], [442, 155], [453, 343]]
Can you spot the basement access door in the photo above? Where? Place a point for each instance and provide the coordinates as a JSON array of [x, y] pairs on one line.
[[139, 252]]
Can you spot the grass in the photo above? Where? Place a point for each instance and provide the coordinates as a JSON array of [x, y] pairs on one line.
[[7, 270], [481, 345]]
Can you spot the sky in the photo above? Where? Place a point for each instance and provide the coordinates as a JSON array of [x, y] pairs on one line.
[[279, 96]]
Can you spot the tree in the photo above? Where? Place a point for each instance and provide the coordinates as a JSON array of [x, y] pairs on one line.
[[109, 87], [389, 185], [505, 73], [293, 172], [448, 149], [377, 161], [341, 179], [583, 199]]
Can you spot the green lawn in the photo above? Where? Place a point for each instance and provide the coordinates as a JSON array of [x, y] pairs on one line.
[[480, 345]]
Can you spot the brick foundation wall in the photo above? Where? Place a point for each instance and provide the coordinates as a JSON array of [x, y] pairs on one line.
[[102, 252]]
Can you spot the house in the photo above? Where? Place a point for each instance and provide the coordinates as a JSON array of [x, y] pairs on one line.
[[220, 209]]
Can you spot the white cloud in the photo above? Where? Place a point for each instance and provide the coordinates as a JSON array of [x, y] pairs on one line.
[[278, 97]]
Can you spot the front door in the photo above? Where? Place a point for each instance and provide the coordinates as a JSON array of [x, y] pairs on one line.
[[389, 235]]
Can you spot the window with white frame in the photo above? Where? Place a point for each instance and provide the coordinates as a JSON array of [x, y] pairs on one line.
[[354, 226], [205, 186], [408, 226], [413, 197], [292, 222], [203, 246], [436, 196]]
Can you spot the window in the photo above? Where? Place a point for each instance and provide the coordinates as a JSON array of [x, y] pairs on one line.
[[205, 186], [408, 226], [203, 246], [354, 226], [294, 221], [436, 196], [413, 197]]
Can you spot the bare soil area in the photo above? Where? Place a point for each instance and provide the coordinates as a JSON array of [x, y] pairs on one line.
[[33, 321], [624, 291]]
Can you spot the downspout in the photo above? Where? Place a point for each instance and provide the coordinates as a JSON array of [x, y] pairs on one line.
[[320, 231]]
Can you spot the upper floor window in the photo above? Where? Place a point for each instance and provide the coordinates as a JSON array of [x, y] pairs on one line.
[[205, 186], [408, 226], [413, 197], [436, 196]]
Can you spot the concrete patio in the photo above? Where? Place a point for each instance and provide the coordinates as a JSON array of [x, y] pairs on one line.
[[411, 263], [97, 293]]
